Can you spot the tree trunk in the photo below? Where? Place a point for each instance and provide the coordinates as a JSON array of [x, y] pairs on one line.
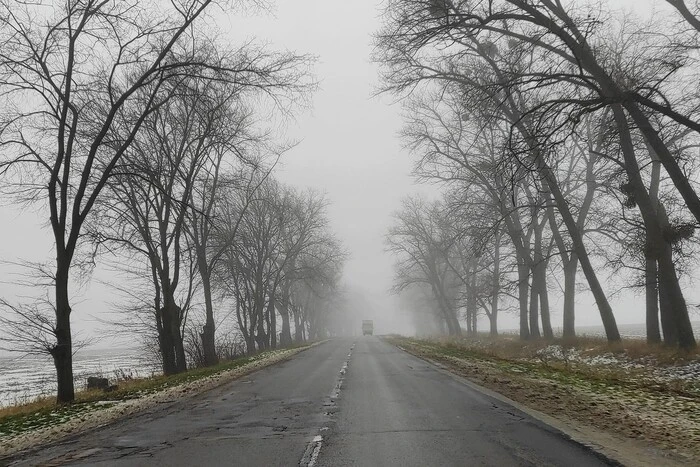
[[493, 324], [570, 270], [668, 277], [273, 323], [453, 326], [660, 249], [456, 327], [541, 272], [523, 277], [544, 309], [606, 313], [298, 336], [534, 308], [675, 309], [260, 336], [62, 353], [208, 334], [167, 346], [652, 302], [552, 185], [496, 286], [468, 316], [474, 316], [668, 327], [570, 266], [535, 287], [286, 333], [250, 344], [180, 356], [651, 266], [473, 301]]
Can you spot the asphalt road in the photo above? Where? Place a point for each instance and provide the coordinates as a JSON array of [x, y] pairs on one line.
[[345, 402]]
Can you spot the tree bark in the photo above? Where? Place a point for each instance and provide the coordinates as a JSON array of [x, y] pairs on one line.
[[298, 328], [652, 302], [534, 307], [496, 286], [544, 304], [570, 266], [62, 352], [523, 278], [167, 346], [536, 287], [272, 313], [668, 326], [208, 335], [181, 357], [286, 333], [570, 269]]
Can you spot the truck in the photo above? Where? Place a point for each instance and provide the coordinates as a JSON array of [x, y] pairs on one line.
[[367, 327]]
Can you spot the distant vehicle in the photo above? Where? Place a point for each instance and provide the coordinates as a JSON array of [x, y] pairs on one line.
[[367, 327]]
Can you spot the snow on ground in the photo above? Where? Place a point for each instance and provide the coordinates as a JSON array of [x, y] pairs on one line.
[[688, 371]]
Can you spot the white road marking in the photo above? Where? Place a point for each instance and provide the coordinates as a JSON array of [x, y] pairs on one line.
[[313, 449]]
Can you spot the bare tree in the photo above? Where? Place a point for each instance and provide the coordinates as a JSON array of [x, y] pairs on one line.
[[78, 69], [282, 241], [487, 79], [68, 72], [421, 243]]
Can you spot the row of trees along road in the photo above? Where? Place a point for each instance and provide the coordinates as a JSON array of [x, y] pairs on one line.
[[565, 135], [139, 132]]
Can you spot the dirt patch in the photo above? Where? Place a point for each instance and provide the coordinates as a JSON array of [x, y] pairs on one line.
[[641, 419]]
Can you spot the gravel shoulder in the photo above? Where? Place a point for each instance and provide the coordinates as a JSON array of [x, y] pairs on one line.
[[633, 413], [103, 412]]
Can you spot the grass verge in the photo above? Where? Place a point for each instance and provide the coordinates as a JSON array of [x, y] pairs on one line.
[[43, 420], [633, 394]]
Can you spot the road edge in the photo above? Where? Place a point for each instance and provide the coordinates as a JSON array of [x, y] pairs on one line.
[[594, 442], [54, 435]]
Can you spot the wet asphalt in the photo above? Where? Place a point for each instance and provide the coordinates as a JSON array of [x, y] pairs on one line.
[[346, 402]]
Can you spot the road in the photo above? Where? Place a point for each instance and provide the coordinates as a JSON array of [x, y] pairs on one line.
[[348, 402]]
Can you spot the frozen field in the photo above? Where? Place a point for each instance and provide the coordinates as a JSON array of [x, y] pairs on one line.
[[24, 378]]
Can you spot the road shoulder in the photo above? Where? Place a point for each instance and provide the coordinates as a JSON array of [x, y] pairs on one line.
[[103, 415], [547, 402]]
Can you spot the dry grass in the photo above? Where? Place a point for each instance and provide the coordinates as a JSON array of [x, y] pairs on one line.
[[510, 346], [40, 403]]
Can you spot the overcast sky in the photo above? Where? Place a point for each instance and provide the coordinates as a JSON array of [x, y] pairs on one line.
[[348, 149]]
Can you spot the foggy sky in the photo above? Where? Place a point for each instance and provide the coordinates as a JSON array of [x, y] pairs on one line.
[[348, 149]]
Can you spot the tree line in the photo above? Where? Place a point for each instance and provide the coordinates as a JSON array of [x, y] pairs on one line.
[[143, 136], [565, 136]]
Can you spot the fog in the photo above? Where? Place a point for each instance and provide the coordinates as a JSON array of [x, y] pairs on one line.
[[348, 148]]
